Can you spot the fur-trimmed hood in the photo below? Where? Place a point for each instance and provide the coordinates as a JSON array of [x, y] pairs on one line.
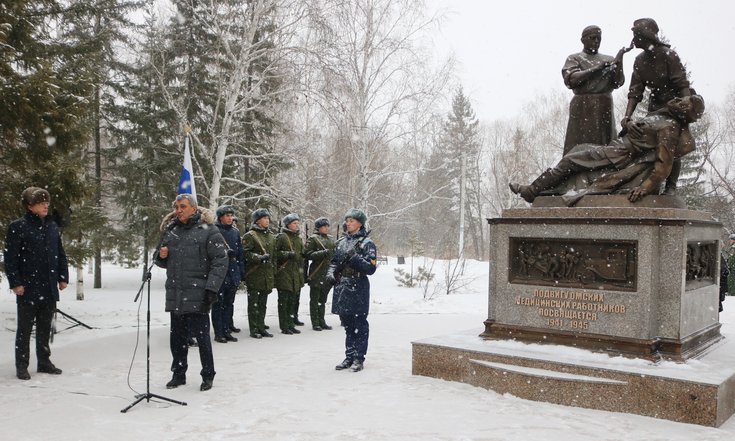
[[207, 217]]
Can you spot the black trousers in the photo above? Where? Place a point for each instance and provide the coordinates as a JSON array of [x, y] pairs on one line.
[[196, 325], [41, 313]]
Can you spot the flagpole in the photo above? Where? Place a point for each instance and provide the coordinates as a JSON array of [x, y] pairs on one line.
[[186, 181]]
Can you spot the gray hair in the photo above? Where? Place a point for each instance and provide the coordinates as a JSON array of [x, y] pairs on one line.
[[189, 197]]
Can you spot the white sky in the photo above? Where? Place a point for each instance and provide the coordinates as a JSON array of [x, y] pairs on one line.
[[509, 52]]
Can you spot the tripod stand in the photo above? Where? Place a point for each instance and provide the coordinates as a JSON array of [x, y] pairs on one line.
[[148, 395], [68, 317]]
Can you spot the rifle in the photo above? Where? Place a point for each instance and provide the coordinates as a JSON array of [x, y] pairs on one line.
[[337, 273], [306, 261]]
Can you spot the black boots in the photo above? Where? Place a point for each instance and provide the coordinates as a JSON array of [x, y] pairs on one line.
[[180, 380], [206, 384], [346, 363], [176, 381], [353, 365], [49, 368], [225, 338], [44, 368]]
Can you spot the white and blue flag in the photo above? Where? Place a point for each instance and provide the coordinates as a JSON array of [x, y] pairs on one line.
[[186, 181]]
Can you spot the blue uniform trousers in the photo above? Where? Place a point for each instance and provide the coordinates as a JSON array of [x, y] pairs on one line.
[[357, 331]]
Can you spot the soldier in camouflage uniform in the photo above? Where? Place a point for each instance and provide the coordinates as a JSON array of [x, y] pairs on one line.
[[289, 272], [319, 249], [259, 249]]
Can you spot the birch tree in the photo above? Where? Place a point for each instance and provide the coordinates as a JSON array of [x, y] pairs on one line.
[[372, 75]]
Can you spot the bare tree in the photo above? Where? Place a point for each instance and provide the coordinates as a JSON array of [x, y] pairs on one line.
[[520, 149], [373, 79]]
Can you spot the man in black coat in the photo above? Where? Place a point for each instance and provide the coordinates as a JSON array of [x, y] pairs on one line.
[[36, 266], [195, 257]]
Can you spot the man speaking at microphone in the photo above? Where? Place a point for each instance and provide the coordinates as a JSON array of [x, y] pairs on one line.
[[195, 257]]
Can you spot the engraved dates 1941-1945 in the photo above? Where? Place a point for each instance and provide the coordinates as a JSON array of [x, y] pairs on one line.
[[591, 264]]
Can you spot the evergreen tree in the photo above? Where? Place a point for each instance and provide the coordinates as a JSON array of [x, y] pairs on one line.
[[145, 155], [461, 143], [98, 28], [44, 107]]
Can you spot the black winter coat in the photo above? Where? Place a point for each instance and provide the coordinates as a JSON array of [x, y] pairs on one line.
[[197, 262], [352, 290], [35, 258], [236, 267]]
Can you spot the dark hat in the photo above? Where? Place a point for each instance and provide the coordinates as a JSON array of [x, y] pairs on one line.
[[259, 213], [225, 209], [647, 27], [290, 218], [34, 195], [357, 214], [321, 222]]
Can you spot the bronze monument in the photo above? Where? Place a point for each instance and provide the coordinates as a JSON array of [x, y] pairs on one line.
[[625, 271], [638, 163]]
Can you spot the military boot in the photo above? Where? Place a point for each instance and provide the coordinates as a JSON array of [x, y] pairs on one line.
[[671, 180], [547, 180], [346, 363]]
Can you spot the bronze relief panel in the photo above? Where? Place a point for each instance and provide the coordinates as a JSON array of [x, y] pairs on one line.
[[577, 263]]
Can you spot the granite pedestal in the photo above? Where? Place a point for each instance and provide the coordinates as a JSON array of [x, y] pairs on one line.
[[610, 277]]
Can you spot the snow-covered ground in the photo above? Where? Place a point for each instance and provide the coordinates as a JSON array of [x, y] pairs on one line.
[[286, 388]]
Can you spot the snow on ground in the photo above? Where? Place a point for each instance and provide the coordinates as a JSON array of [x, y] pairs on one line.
[[286, 388]]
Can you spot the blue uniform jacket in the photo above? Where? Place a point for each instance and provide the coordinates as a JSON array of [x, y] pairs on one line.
[[236, 267], [352, 291]]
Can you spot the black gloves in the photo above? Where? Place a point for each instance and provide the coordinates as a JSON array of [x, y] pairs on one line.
[[210, 297], [329, 279], [290, 254], [350, 254], [265, 258]]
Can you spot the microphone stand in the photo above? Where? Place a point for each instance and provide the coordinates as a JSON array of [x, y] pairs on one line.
[[148, 395]]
